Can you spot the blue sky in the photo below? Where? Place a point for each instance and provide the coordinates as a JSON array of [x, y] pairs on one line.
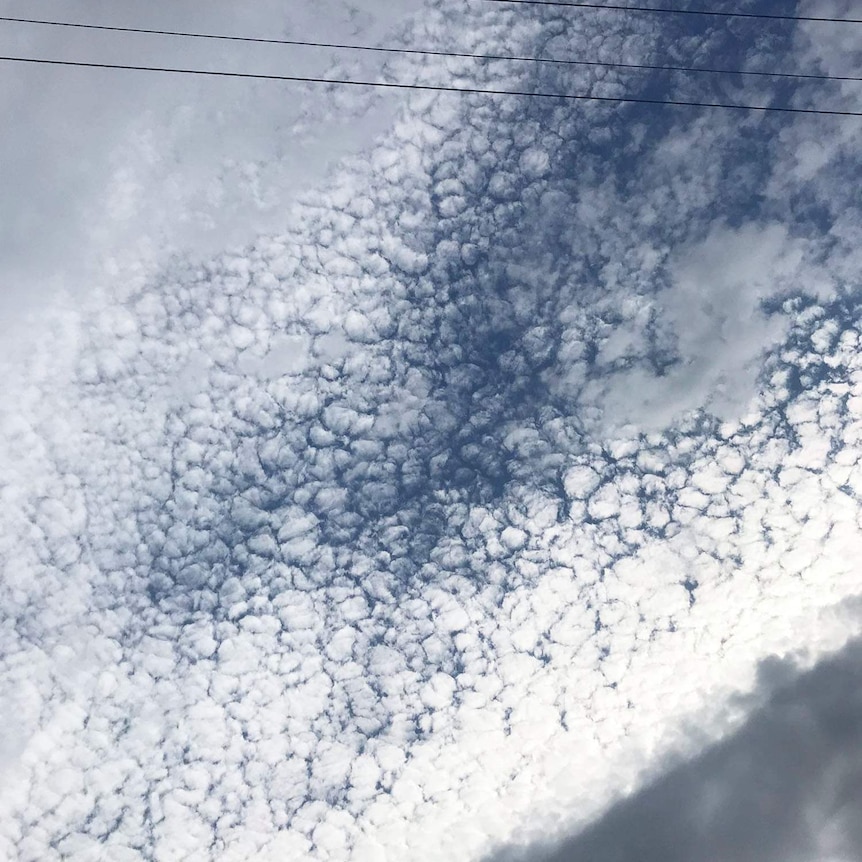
[[417, 477]]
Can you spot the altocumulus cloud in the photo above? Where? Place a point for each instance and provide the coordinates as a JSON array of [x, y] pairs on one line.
[[434, 522]]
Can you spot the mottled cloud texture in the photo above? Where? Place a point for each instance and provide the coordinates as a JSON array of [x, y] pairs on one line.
[[472, 495]]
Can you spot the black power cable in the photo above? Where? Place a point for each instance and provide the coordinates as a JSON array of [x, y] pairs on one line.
[[435, 88], [425, 52], [663, 10]]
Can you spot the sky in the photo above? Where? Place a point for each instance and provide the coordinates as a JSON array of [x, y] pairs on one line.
[[114, 170], [427, 476]]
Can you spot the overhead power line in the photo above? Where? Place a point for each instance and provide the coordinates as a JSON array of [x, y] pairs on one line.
[[663, 10], [393, 85], [429, 53]]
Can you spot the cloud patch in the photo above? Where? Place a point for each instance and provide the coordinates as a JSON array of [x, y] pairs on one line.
[[718, 315]]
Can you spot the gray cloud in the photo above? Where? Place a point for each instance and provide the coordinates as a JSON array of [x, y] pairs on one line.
[[785, 787]]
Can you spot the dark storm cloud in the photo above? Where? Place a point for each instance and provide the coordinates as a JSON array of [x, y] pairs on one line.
[[785, 787]]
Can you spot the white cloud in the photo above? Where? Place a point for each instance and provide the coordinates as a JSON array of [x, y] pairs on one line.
[[718, 327], [114, 172]]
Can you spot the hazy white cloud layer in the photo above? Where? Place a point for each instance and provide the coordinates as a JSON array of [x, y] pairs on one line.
[[468, 492], [112, 170]]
